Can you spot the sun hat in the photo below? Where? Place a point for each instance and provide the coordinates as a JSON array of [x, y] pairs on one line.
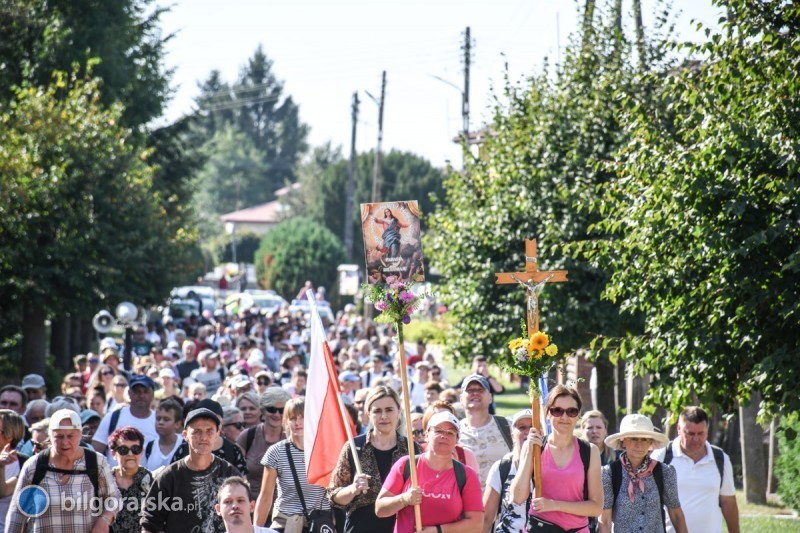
[[636, 425], [441, 417], [65, 414]]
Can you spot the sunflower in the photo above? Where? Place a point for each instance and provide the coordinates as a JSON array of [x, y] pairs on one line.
[[516, 343], [539, 341]]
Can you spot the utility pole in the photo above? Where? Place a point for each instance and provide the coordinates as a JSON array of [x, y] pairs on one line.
[[465, 95], [376, 173], [351, 185]]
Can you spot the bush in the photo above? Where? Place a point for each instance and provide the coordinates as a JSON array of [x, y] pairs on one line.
[[426, 331], [297, 250], [787, 467]]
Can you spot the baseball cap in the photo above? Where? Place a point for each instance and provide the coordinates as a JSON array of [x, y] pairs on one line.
[[347, 375], [33, 381], [475, 378], [65, 414], [519, 415], [89, 414], [139, 379], [441, 417], [201, 412]]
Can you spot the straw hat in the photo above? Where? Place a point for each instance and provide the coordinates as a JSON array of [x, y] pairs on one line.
[[636, 426]]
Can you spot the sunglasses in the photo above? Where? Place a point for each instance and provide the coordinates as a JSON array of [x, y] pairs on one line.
[[272, 409], [418, 432], [571, 412], [237, 425], [136, 449], [107, 373], [40, 445], [263, 382]]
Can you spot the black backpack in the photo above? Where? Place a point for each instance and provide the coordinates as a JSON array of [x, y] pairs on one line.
[[43, 466], [719, 459], [505, 429]]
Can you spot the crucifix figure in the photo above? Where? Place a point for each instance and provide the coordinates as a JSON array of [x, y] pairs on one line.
[[534, 282]]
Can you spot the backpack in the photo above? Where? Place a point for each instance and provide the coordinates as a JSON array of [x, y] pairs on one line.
[[458, 467], [505, 430], [719, 459], [112, 425], [43, 466], [616, 483], [249, 438]]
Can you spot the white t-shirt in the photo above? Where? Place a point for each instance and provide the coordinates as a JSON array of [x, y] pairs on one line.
[[158, 459], [699, 488], [511, 517], [146, 425], [487, 443], [259, 529]]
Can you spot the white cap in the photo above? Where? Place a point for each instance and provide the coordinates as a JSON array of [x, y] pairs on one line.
[[441, 417], [65, 414]]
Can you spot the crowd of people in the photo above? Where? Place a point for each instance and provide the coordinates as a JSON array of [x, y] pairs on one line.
[[205, 433]]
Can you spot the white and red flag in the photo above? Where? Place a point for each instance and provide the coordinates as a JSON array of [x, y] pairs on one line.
[[324, 431]]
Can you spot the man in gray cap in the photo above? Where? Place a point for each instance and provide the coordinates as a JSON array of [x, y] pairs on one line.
[[35, 387], [193, 481], [488, 436]]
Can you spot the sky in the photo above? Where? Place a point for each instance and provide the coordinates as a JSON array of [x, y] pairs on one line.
[[326, 50]]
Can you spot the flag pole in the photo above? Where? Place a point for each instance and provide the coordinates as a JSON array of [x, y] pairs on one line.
[[339, 401], [409, 428]]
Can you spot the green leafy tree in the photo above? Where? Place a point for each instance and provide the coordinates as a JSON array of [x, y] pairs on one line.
[[536, 172], [81, 224], [257, 126], [701, 229], [297, 250]]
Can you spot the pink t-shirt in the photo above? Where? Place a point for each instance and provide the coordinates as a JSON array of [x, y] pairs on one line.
[[563, 485], [441, 501]]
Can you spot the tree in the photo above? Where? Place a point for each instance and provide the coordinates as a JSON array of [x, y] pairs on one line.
[[255, 114], [700, 230], [537, 169], [61, 148], [297, 250]]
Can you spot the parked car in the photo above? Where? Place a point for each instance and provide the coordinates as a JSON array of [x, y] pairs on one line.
[[267, 301], [323, 308], [207, 295]]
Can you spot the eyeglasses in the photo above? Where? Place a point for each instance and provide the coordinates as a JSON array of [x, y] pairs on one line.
[[271, 409], [120, 384], [40, 445], [136, 449], [436, 373], [571, 412], [107, 373], [263, 382], [478, 390], [418, 432], [237, 425]]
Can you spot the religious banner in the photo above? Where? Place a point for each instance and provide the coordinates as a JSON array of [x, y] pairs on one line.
[[392, 243]]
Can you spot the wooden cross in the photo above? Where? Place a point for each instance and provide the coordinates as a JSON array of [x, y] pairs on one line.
[[534, 281]]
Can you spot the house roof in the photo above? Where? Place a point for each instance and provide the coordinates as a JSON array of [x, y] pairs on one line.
[[259, 214]]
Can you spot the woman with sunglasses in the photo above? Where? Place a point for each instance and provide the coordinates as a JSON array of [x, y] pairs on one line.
[[448, 493], [232, 423], [126, 445], [563, 481], [103, 376], [285, 467], [378, 449], [257, 439]]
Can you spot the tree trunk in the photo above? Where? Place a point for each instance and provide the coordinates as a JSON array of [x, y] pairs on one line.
[[618, 35], [34, 350], [60, 343], [620, 390], [606, 402], [640, 46], [87, 335], [637, 388], [754, 468]]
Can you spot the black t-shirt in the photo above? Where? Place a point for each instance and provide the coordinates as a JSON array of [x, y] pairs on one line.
[[185, 369], [363, 519], [228, 451], [181, 499]]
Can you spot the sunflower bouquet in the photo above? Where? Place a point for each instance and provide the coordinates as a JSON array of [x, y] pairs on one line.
[[532, 356]]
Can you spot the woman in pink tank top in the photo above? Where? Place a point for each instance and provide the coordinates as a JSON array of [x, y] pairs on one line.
[[562, 506]]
